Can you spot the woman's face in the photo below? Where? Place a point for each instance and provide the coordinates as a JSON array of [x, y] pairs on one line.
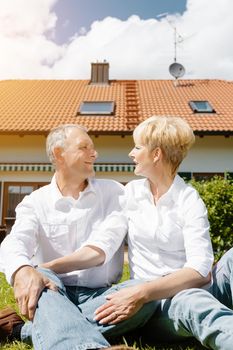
[[143, 159]]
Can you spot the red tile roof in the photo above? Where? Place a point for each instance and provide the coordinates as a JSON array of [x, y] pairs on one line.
[[35, 106]]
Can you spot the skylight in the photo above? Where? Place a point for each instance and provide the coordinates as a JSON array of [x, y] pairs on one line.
[[97, 108], [201, 107]]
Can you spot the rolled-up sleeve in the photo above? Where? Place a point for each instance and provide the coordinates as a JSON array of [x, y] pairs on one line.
[[110, 235], [198, 247], [18, 247], [111, 232]]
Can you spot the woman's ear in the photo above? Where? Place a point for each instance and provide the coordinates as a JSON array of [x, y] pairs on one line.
[[156, 153]]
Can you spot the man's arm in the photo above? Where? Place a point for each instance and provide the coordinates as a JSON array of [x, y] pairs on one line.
[[99, 248], [84, 258], [17, 250], [126, 302]]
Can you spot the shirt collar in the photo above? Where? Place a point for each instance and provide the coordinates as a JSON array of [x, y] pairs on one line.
[[173, 192], [171, 195], [144, 190], [63, 203]]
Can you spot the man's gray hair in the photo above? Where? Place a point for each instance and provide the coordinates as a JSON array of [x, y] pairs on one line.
[[58, 136]]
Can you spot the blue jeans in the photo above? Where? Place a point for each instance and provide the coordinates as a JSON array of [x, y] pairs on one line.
[[204, 314], [64, 319]]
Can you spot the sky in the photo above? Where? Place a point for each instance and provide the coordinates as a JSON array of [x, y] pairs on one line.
[[58, 39]]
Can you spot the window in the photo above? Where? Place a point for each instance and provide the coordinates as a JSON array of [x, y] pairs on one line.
[[13, 194], [97, 108], [201, 107]]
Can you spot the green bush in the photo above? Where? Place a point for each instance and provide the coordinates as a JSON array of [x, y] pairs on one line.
[[217, 193]]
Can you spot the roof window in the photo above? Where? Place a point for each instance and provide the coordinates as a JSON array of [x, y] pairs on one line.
[[201, 107], [97, 108]]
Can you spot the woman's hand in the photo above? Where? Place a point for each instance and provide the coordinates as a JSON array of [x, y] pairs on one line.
[[120, 305]]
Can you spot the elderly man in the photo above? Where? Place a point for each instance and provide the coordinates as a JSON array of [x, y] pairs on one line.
[[74, 213]]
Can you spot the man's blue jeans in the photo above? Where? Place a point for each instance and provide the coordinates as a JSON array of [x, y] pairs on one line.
[[64, 320], [204, 314]]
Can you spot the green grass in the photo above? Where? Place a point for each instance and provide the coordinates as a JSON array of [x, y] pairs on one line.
[[125, 275], [7, 298]]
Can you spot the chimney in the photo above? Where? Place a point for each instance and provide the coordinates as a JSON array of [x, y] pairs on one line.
[[100, 73]]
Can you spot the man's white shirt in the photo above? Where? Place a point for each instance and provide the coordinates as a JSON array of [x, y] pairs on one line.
[[49, 226]]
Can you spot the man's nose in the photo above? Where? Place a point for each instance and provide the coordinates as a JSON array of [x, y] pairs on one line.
[[94, 153]]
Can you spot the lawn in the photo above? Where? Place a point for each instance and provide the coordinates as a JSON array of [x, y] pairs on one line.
[[7, 298]]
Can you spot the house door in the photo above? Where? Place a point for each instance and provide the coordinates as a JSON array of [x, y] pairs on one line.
[[13, 194]]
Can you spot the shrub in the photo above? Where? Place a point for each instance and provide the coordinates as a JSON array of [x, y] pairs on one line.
[[217, 193]]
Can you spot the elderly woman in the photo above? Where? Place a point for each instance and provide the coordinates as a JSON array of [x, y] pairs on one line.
[[168, 227]]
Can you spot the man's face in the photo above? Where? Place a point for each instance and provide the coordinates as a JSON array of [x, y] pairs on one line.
[[79, 154]]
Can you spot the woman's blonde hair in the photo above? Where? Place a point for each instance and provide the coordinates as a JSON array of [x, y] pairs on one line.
[[172, 135]]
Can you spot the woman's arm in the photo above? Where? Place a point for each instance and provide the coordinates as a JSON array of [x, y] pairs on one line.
[[84, 258], [126, 302], [169, 285]]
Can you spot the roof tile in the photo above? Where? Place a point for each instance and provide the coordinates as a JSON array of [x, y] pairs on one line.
[[35, 106]]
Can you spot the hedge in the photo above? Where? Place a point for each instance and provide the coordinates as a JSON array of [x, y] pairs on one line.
[[217, 193]]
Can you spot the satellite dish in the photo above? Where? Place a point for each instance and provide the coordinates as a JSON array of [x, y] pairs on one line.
[[176, 70]]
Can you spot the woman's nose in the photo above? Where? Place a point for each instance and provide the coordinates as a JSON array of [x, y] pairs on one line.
[[131, 154]]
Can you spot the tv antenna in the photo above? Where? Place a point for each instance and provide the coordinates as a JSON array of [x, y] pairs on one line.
[[176, 69]]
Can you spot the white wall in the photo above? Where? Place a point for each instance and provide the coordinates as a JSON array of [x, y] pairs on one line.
[[113, 148], [22, 149], [209, 154]]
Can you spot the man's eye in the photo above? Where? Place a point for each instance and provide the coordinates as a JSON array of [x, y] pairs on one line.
[[137, 147]]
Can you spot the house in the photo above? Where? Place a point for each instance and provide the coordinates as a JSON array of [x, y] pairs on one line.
[[110, 109]]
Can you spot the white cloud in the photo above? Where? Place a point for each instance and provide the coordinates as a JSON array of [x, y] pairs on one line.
[[135, 48], [82, 31], [26, 17], [26, 51]]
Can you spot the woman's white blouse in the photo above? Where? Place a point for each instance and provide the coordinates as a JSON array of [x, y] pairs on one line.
[[172, 234]]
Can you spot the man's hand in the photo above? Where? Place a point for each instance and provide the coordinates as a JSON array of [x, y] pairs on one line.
[[120, 305], [28, 285]]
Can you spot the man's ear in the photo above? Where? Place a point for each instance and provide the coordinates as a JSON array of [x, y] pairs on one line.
[[58, 154]]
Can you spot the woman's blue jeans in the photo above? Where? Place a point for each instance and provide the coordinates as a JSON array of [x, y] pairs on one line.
[[64, 320], [204, 314]]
